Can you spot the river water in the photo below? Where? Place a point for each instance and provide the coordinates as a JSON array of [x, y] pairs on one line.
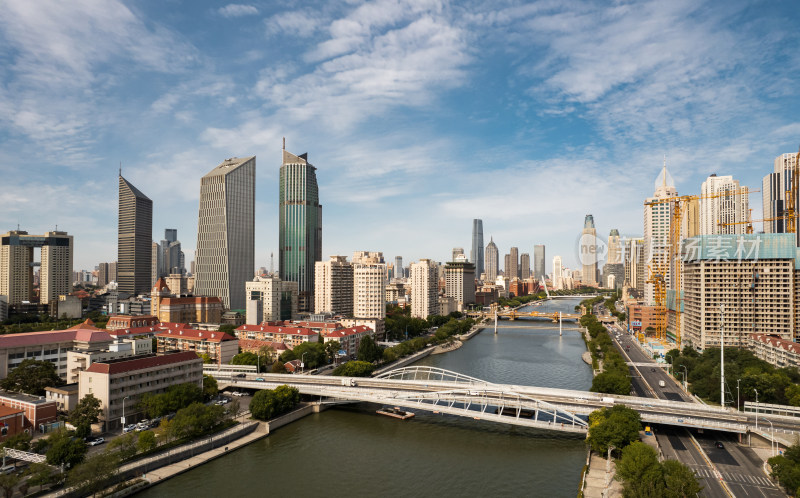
[[351, 451]]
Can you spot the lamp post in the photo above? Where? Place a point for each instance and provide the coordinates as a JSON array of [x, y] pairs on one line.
[[685, 377], [123, 411], [303, 361], [756, 390], [672, 366], [772, 437], [722, 356], [737, 394]]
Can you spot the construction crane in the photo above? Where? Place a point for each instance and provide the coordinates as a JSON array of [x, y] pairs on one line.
[[658, 270], [749, 222], [791, 197]]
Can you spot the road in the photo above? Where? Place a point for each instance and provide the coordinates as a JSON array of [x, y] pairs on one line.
[[737, 465]]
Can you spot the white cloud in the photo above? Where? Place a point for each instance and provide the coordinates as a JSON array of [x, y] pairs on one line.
[[237, 10]]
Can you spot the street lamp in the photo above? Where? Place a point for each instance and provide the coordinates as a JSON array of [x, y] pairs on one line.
[[772, 437], [672, 365], [756, 390], [685, 377], [123, 411], [737, 394], [303, 361]]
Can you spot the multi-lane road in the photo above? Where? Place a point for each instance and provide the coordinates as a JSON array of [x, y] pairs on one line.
[[735, 465]]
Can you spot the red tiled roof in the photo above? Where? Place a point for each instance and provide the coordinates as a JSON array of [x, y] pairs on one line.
[[359, 329], [161, 285], [276, 330], [777, 342], [85, 332], [128, 365], [197, 335], [136, 331], [6, 411]]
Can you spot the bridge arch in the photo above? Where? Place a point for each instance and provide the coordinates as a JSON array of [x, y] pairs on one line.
[[429, 373]]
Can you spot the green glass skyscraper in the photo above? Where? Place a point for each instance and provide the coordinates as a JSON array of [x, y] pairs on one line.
[[300, 236]]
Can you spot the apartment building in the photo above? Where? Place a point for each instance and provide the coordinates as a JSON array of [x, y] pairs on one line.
[[116, 322], [349, 339], [196, 309], [119, 384], [219, 346], [333, 286], [291, 336], [774, 350]]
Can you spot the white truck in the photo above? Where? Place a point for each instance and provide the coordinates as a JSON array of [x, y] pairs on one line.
[[348, 382]]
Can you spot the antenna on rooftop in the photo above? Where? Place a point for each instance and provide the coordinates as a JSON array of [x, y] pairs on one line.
[[120, 168], [284, 143], [272, 262]]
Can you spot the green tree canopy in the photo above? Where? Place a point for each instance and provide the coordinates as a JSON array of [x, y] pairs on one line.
[[124, 446], [65, 449], [354, 369], [368, 350], [267, 404], [210, 387], [85, 413], [680, 481], [315, 355], [32, 377], [147, 441], [245, 358], [172, 400], [616, 426], [640, 472], [94, 474], [332, 350]]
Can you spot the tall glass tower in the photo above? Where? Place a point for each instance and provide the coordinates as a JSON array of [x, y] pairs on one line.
[[134, 239], [225, 257], [476, 255], [300, 237]]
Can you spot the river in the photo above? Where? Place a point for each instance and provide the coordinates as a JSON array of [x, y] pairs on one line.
[[351, 451]]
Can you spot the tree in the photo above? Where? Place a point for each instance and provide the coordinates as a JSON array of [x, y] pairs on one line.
[[147, 441], [41, 474], [267, 404], [124, 446], [245, 358], [210, 387], [278, 368], [315, 355], [32, 377], [94, 474], [354, 369], [8, 482], [227, 328], [679, 480], [85, 413], [332, 350], [206, 358], [640, 472], [64, 449], [617, 426], [611, 382], [368, 350], [21, 441]]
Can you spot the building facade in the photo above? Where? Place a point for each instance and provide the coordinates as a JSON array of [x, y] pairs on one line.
[[773, 194], [219, 346], [524, 266], [195, 309], [460, 283], [17, 262], [135, 240], [269, 299], [588, 249], [492, 260], [369, 290], [511, 268], [476, 256], [657, 223], [333, 288], [424, 289], [722, 213], [539, 270], [225, 255], [300, 225], [119, 384]]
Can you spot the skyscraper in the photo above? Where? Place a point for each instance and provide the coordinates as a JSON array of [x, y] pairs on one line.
[[773, 193], [225, 256], [589, 252], [492, 261], [300, 230], [558, 274], [732, 208], [524, 266], [398, 267], [614, 265], [369, 288], [135, 240], [476, 254], [657, 223], [17, 261], [170, 254], [538, 262], [424, 289], [512, 267], [333, 287]]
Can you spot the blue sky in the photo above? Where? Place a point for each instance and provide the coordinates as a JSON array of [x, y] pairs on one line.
[[420, 115]]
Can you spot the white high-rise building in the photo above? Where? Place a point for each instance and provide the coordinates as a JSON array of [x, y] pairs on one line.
[[773, 194], [424, 288], [270, 299], [333, 286], [460, 283], [369, 290], [225, 256], [492, 260], [724, 209], [558, 276], [657, 222]]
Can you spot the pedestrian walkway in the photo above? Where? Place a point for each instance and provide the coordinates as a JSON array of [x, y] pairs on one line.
[[598, 482]]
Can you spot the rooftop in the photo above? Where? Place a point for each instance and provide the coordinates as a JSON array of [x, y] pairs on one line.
[[274, 329], [65, 389], [142, 362], [777, 342], [197, 335], [25, 398]]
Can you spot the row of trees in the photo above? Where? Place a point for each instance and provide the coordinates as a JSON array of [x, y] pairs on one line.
[[176, 397], [641, 473], [774, 385], [786, 469], [270, 403], [400, 325], [614, 378]]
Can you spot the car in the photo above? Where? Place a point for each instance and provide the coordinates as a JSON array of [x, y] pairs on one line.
[[260, 379], [241, 376], [652, 369], [128, 428], [719, 444], [237, 393], [96, 441]]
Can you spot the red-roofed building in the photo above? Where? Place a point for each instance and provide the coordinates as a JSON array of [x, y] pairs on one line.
[[51, 345], [125, 380], [12, 422], [291, 336], [254, 346], [116, 322], [195, 309], [219, 346], [37, 410], [777, 351], [292, 366], [349, 338]]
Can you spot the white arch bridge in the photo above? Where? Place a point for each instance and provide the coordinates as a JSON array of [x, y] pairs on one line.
[[442, 391]]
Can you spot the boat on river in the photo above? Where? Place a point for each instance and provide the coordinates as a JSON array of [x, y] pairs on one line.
[[395, 412]]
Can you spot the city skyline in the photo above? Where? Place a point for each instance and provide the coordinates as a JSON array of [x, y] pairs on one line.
[[187, 99]]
